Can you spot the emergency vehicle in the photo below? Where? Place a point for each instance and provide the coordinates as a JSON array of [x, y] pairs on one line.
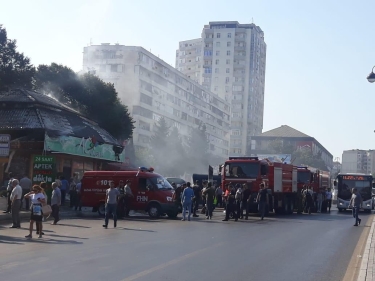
[[280, 180], [152, 193]]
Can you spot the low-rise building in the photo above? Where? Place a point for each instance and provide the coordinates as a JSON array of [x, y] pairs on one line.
[[291, 139], [152, 89]]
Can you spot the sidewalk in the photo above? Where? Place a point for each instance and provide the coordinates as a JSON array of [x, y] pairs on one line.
[[367, 269]]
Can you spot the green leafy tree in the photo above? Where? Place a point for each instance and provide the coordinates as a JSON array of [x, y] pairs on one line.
[[158, 144], [176, 164], [88, 94], [198, 145], [15, 68]]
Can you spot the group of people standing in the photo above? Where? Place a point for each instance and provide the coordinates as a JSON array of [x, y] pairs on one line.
[[38, 199], [236, 199], [320, 201]]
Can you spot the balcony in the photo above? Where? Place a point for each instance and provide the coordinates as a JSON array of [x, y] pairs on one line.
[[239, 48]]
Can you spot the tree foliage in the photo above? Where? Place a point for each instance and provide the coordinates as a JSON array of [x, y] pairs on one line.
[[88, 94], [15, 68], [198, 145]]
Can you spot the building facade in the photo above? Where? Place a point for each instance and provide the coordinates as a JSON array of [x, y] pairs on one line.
[[152, 89], [189, 58], [288, 140], [232, 65], [358, 161]]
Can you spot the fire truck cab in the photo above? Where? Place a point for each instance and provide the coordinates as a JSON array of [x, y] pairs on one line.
[[152, 193], [280, 180]]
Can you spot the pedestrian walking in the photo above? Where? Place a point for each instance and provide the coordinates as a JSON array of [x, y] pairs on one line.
[[186, 200], [9, 191], [55, 203], [37, 198], [209, 194], [78, 203], [26, 185], [329, 199], [231, 204], [64, 189], [356, 203], [262, 200], [111, 199], [128, 196], [15, 198]]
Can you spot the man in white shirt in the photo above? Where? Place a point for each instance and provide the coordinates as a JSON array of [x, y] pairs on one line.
[[15, 198], [329, 199]]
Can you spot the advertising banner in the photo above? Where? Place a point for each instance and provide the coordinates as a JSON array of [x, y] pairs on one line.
[[281, 158], [86, 147], [44, 169]]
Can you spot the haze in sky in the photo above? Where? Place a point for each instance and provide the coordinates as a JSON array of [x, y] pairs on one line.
[[319, 52]]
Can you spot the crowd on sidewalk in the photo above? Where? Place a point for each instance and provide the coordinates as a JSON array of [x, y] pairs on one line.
[[21, 192]]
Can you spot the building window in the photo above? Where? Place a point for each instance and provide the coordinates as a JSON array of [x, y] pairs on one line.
[[236, 133], [229, 35], [216, 70], [226, 80], [227, 70], [218, 53], [215, 88], [228, 53], [229, 44], [217, 62], [228, 61], [218, 35], [217, 44], [196, 58]]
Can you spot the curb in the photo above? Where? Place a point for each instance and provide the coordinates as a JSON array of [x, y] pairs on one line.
[[367, 269]]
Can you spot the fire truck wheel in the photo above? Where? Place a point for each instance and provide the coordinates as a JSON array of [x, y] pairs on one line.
[[154, 211], [101, 209]]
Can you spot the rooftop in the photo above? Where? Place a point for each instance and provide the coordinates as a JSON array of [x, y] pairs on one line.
[[284, 131], [21, 109]]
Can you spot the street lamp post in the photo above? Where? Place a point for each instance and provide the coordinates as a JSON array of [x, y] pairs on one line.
[[371, 76]]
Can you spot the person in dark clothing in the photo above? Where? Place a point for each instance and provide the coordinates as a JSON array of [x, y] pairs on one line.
[[262, 200], [121, 200], [231, 205], [197, 198], [9, 192], [245, 197], [177, 195], [209, 194], [238, 198]]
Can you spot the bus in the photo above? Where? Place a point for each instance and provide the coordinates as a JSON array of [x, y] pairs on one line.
[[346, 182]]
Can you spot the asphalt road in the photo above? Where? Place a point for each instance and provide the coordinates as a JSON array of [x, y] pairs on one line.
[[298, 247]]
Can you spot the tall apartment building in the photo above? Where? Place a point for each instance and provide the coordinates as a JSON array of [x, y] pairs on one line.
[[189, 58], [232, 65], [152, 89], [358, 161]]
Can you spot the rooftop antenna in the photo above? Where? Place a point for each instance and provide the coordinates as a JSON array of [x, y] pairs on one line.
[[90, 41], [252, 20]]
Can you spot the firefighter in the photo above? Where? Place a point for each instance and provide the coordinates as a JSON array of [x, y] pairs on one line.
[[231, 205]]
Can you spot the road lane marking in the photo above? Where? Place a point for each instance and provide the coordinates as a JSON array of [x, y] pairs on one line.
[[172, 262]]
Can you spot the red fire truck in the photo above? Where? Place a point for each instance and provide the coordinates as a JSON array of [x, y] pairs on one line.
[[279, 178]]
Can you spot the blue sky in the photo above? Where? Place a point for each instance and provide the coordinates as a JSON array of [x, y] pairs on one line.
[[318, 52]]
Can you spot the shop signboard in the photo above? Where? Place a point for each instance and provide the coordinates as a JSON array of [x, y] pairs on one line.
[[44, 169], [4, 145], [86, 147]]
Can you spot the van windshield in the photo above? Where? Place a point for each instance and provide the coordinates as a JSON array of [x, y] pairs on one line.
[[161, 183]]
